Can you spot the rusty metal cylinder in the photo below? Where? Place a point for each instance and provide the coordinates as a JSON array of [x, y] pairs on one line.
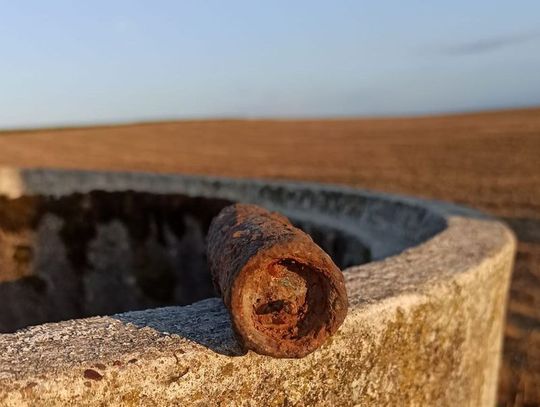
[[283, 292]]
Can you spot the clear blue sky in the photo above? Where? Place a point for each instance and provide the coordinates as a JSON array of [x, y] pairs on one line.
[[69, 62]]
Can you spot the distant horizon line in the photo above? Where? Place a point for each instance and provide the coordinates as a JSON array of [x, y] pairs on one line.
[[217, 118]]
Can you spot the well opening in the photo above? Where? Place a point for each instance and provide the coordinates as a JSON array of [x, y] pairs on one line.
[[101, 253]]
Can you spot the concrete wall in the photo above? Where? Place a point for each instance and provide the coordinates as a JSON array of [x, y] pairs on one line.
[[424, 326]]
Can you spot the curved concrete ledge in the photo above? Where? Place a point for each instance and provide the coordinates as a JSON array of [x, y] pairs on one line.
[[424, 327]]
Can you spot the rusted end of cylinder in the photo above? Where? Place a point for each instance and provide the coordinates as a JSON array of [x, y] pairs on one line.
[[284, 293]]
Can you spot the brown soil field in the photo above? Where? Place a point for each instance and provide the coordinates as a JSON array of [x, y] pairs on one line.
[[490, 161]]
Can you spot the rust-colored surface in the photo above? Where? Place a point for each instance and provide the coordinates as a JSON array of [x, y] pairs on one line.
[[485, 160], [284, 293]]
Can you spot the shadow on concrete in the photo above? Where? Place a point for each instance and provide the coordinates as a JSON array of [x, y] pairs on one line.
[[205, 322]]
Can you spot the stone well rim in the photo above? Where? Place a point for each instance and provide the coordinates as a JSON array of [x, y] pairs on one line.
[[469, 245]]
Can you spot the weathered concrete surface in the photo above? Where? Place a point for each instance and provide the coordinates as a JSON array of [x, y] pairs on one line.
[[424, 326]]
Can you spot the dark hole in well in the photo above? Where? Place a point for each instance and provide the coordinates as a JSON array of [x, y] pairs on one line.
[[102, 253]]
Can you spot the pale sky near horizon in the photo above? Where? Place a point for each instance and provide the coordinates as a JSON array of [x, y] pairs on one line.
[[75, 62]]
